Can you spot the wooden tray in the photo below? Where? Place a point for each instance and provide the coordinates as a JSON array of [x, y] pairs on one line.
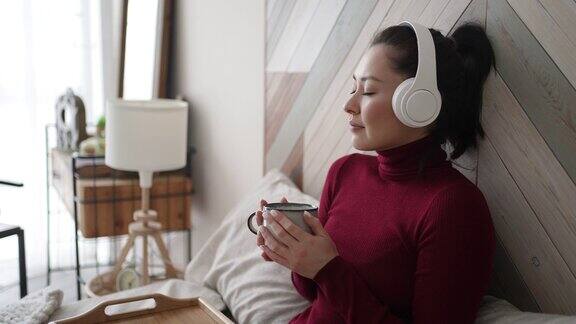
[[151, 308]]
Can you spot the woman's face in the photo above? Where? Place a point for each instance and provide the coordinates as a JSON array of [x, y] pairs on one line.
[[370, 104]]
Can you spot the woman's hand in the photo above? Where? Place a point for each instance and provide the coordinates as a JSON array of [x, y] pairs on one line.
[[294, 248], [259, 221]]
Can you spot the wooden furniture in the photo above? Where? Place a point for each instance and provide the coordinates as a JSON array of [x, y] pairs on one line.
[[102, 202], [526, 166], [149, 309], [106, 199], [9, 230]]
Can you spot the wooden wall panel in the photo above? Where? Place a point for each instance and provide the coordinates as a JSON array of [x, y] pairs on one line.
[[543, 19], [541, 88], [346, 29], [279, 101], [316, 33], [292, 33], [276, 23], [539, 208]]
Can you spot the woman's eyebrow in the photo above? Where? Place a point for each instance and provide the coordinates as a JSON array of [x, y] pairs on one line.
[[367, 77]]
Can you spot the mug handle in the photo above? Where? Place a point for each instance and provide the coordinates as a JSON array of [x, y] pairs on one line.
[[250, 227]]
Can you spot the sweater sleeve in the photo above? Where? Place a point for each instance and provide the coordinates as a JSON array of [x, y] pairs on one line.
[[341, 289], [454, 257]]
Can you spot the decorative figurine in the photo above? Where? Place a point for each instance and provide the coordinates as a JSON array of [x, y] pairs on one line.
[[70, 121]]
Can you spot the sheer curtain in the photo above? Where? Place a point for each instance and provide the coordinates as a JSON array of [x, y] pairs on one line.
[[47, 46]]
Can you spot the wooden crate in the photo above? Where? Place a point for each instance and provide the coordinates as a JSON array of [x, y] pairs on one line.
[[105, 206]]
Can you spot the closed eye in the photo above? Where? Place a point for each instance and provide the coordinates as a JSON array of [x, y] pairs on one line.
[[364, 94]]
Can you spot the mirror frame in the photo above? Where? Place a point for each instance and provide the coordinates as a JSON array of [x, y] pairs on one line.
[[164, 46]]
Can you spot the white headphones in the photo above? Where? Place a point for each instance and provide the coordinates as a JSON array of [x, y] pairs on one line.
[[417, 101]]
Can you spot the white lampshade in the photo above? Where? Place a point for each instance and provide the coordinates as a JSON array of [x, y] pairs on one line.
[[146, 136]]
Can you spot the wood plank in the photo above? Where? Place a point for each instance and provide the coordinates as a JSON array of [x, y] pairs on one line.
[[564, 14], [293, 31], [541, 178], [537, 83], [415, 10], [270, 4], [276, 24], [433, 10], [315, 35], [272, 80], [551, 36], [508, 283], [459, 11], [475, 12], [342, 37], [530, 247], [293, 166], [279, 105]]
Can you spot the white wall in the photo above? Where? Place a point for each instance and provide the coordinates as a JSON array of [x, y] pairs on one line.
[[219, 68]]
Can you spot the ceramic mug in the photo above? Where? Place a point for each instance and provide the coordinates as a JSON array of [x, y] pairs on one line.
[[294, 211]]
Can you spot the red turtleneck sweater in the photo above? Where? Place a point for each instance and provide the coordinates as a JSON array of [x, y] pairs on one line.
[[412, 248]]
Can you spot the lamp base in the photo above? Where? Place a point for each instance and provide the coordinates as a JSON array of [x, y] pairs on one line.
[[145, 226]]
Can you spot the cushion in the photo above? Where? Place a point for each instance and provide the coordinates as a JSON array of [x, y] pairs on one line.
[[254, 290], [500, 311]]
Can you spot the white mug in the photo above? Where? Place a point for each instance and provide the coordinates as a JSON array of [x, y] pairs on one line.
[[294, 212]]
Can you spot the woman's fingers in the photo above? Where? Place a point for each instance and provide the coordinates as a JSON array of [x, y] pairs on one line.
[[289, 227], [265, 256], [272, 243], [274, 256], [283, 234], [263, 203], [259, 218], [260, 238]]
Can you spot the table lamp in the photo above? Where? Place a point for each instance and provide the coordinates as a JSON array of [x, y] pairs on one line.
[[146, 136]]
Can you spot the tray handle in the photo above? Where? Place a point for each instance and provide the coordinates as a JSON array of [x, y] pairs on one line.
[[98, 313]]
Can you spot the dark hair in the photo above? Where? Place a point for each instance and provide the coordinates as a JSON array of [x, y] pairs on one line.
[[463, 61]]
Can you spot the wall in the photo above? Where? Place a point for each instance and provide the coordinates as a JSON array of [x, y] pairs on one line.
[[218, 66]]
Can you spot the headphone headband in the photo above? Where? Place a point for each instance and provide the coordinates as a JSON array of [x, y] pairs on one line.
[[426, 74]]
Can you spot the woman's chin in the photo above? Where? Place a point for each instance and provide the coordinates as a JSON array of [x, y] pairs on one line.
[[358, 144]]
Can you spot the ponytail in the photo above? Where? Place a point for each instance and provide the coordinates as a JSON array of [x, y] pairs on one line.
[[477, 56]]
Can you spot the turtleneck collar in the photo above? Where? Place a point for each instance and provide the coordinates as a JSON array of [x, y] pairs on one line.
[[402, 162]]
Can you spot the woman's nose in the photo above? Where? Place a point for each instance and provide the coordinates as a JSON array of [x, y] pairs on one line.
[[351, 106]]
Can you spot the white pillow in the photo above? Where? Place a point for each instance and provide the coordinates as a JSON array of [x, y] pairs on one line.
[[500, 311], [254, 290]]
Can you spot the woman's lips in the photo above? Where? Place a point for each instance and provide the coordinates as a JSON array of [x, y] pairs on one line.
[[355, 127]]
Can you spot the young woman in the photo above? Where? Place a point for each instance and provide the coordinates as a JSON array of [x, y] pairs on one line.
[[402, 237]]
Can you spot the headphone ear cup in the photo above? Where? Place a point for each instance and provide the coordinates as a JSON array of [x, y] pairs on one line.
[[399, 93]]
